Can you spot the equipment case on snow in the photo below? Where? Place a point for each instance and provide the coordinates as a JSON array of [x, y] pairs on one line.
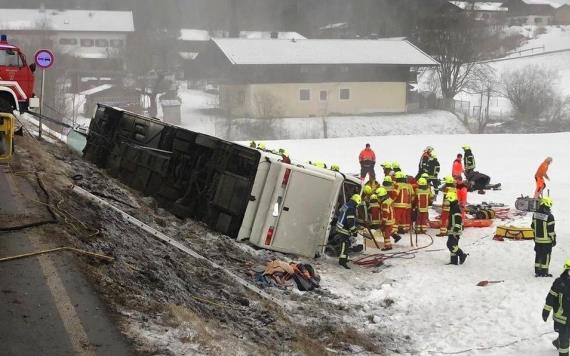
[[514, 232]]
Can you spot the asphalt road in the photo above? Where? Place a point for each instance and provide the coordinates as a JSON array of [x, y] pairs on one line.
[[47, 306]]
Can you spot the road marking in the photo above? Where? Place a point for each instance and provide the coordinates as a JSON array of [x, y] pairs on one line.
[[71, 322]]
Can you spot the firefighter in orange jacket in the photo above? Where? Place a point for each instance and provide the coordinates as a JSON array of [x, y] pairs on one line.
[[375, 216], [388, 184], [457, 168], [403, 203], [540, 175], [448, 187], [387, 223], [422, 203]]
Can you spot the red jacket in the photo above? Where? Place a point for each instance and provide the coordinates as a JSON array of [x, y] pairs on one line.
[[457, 168], [367, 155]]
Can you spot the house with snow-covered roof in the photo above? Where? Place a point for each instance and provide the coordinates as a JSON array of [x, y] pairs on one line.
[[490, 12], [521, 13], [312, 77], [85, 34]]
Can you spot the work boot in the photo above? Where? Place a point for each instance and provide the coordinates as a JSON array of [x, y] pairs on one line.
[[556, 343], [481, 191], [401, 230], [397, 238], [454, 260], [462, 258], [344, 263], [386, 248]]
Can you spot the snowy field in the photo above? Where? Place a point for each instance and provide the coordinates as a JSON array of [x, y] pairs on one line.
[[439, 306]]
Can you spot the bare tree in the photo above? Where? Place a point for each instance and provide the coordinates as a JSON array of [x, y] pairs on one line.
[[454, 40], [530, 90], [485, 83]]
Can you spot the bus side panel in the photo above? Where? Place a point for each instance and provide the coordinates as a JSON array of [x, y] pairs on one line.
[[265, 208], [253, 204], [304, 215]]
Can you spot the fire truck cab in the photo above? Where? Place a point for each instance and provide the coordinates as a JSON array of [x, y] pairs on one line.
[[16, 79]]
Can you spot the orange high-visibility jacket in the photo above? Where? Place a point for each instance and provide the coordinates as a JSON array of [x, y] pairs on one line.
[[542, 170], [423, 197], [375, 214], [405, 196], [387, 213]]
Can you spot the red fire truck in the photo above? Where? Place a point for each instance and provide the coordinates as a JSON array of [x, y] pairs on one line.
[[16, 79]]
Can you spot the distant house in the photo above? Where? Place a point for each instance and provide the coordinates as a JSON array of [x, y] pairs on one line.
[[562, 15], [87, 35], [521, 13], [114, 95], [492, 13], [312, 77]]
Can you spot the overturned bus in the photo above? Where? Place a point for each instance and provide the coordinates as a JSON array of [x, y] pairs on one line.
[[242, 192]]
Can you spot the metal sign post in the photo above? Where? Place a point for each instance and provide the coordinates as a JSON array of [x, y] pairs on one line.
[[44, 59]]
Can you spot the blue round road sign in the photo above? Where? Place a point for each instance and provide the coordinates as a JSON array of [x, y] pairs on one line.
[[44, 58]]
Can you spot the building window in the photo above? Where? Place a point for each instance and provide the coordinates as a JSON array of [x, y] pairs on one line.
[[87, 43], [101, 43], [323, 95], [68, 41], [117, 43], [305, 94], [344, 94]]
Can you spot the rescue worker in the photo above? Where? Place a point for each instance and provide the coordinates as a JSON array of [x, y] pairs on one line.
[[468, 159], [372, 183], [422, 203], [387, 224], [457, 168], [388, 184], [362, 208], [261, 146], [424, 159], [252, 144], [335, 167], [454, 229], [557, 302], [433, 172], [387, 168], [375, 214], [284, 156], [346, 227], [403, 203], [462, 189], [319, 164], [448, 187], [544, 237], [396, 167], [367, 159], [540, 175]]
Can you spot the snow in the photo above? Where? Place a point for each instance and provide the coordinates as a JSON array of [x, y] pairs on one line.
[[556, 38], [67, 20], [267, 35], [439, 306], [96, 89], [188, 34], [312, 51], [481, 6]]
